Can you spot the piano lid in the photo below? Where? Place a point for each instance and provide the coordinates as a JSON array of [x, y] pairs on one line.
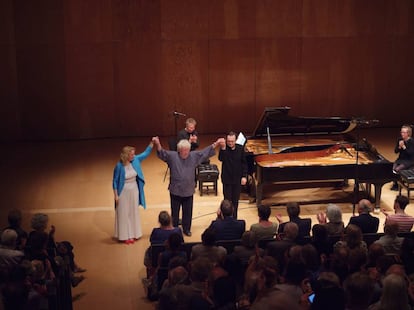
[[281, 123]]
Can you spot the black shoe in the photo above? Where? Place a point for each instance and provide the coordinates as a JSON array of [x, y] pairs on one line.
[[188, 233], [394, 187]]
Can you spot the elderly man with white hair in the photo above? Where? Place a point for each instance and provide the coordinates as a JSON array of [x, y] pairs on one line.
[[332, 219], [9, 255], [182, 164]]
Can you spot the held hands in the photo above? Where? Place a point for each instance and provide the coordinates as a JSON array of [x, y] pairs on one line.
[[219, 141], [401, 144], [243, 181], [157, 143]]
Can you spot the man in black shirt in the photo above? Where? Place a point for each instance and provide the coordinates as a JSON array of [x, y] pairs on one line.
[[233, 170], [189, 133]]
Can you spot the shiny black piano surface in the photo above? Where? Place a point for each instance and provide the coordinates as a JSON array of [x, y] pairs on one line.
[[287, 149]]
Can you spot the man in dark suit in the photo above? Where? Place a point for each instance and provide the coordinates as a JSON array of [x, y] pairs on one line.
[[233, 170], [304, 225], [226, 226], [365, 221]]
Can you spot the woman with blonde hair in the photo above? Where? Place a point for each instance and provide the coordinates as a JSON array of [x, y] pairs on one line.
[[128, 185]]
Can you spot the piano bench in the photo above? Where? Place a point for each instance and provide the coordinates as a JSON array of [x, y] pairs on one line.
[[207, 176], [406, 181]]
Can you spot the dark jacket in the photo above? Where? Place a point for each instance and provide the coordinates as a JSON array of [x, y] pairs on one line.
[[228, 228], [365, 221]]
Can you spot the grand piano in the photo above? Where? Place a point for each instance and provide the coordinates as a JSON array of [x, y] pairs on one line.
[[305, 150]]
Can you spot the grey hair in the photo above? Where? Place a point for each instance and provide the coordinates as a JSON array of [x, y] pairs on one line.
[[39, 221], [333, 213], [183, 144]]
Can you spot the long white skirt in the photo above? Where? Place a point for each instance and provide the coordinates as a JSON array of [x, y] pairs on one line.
[[127, 219]]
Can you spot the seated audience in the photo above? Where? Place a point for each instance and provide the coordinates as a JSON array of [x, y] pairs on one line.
[[335, 226], [208, 248], [321, 242], [14, 219], [279, 248], [172, 250], [160, 234], [265, 229], [293, 211], [352, 239], [10, 256], [359, 291], [247, 249], [64, 249], [365, 221], [394, 294], [226, 227], [405, 221], [390, 242]]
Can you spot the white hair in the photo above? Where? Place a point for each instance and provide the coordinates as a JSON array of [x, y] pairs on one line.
[[183, 144]]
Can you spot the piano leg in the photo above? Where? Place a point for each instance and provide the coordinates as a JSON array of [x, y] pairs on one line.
[[259, 194], [378, 189]]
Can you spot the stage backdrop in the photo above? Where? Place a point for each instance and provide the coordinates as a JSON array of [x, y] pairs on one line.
[[75, 69]]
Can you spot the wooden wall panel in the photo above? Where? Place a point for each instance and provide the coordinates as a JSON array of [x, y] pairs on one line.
[[40, 68], [85, 69], [278, 18], [41, 86], [136, 20], [39, 22], [398, 105], [6, 22], [327, 18], [184, 83], [231, 86], [87, 21], [400, 17], [232, 19], [184, 19], [9, 123], [90, 90], [278, 73], [345, 76], [137, 87]]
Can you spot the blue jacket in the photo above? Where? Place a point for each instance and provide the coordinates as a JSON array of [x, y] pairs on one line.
[[118, 180]]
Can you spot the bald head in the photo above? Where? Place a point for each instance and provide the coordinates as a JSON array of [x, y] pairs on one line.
[[364, 206]]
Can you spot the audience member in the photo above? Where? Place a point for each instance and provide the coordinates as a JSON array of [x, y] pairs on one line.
[[14, 219], [226, 226], [160, 234], [390, 242], [208, 248], [10, 256], [405, 221], [335, 226], [352, 239], [394, 294], [365, 221], [264, 229], [304, 225], [247, 248], [359, 291], [279, 248]]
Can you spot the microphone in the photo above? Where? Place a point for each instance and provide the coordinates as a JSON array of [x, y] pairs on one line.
[[175, 113]]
